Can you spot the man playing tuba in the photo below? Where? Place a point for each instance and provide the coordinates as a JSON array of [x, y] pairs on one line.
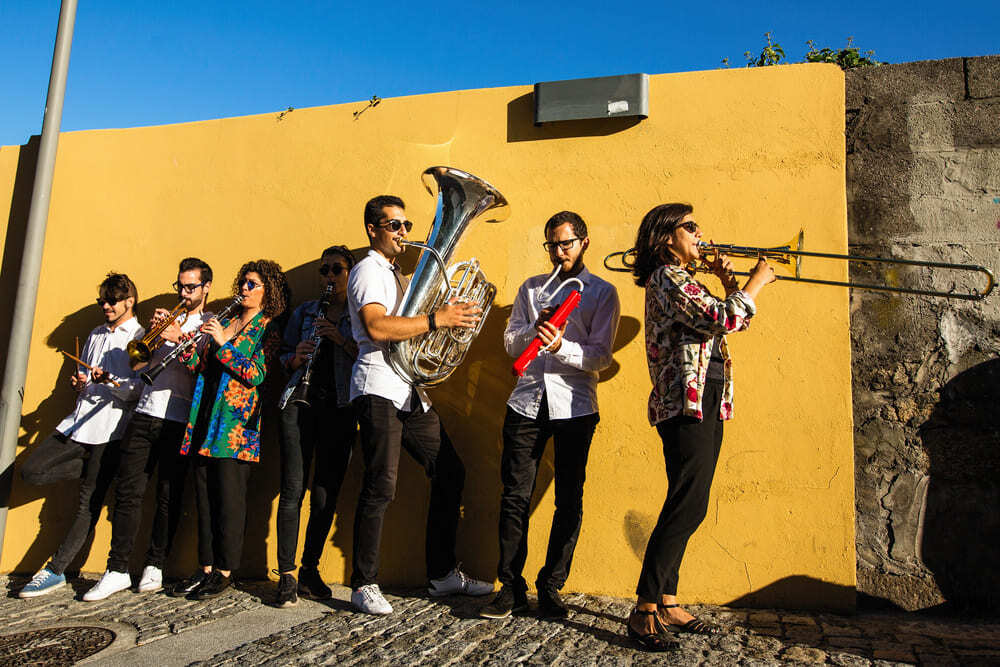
[[392, 414]]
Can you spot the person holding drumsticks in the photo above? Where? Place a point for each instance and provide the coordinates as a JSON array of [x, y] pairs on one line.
[[692, 398]]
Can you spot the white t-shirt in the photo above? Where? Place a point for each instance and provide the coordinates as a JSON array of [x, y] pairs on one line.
[[169, 397], [102, 410], [373, 280]]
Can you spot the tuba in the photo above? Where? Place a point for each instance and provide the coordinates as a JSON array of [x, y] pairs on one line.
[[429, 359]]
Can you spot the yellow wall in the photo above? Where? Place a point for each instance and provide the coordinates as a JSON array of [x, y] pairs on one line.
[[759, 153]]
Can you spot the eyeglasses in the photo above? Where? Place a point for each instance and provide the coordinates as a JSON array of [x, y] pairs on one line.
[[396, 225], [690, 226], [110, 302], [335, 269], [565, 245], [250, 285], [180, 287]]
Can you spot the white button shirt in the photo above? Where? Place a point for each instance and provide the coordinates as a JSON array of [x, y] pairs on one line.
[[169, 397], [568, 377], [102, 411], [373, 280]]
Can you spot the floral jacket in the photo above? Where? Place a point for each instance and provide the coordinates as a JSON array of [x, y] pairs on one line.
[[682, 322], [232, 427]]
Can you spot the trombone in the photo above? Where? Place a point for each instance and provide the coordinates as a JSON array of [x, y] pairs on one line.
[[140, 351], [791, 255]]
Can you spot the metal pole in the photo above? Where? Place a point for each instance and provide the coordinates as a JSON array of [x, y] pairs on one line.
[[12, 391]]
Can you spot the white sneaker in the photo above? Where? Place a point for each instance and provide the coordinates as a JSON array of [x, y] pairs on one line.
[[457, 582], [369, 600], [151, 580], [111, 583]]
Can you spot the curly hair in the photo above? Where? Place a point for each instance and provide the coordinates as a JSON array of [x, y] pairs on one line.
[[277, 293], [651, 241]]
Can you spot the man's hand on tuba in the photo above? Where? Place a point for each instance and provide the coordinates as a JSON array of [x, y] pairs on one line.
[[458, 314]]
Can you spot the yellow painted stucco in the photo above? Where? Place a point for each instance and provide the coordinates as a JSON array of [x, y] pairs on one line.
[[758, 152]]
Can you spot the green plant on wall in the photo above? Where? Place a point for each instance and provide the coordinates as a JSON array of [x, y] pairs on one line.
[[849, 57]]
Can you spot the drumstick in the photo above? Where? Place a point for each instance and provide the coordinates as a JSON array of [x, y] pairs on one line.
[[88, 366], [77, 340]]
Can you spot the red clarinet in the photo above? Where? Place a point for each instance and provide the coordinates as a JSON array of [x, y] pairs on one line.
[[558, 319]]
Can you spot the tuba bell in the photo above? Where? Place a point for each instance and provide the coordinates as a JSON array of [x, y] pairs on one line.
[[429, 359]]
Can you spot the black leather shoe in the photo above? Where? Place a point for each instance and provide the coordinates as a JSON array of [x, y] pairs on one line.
[[311, 585], [550, 604], [214, 585], [182, 588], [507, 601]]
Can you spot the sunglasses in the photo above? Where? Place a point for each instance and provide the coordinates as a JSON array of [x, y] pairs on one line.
[[565, 245], [179, 287], [690, 226], [110, 302], [251, 285], [396, 225], [335, 269]]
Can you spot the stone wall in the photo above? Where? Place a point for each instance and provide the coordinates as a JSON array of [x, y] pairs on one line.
[[923, 165]]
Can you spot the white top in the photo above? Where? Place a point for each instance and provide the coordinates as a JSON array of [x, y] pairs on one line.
[[102, 411], [569, 376], [169, 397], [374, 280]]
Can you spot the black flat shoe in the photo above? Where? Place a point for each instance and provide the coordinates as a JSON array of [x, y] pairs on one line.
[[183, 588], [652, 641], [550, 604], [695, 626], [213, 586]]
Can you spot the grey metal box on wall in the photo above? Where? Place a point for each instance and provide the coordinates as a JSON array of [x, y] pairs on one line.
[[599, 97]]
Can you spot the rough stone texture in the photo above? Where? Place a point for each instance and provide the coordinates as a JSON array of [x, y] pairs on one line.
[[923, 182], [449, 631]]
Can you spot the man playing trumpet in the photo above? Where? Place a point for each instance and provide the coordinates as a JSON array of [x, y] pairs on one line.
[[86, 443], [152, 440]]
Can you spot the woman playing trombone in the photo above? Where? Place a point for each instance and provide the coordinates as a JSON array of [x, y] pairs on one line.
[[692, 397], [223, 430]]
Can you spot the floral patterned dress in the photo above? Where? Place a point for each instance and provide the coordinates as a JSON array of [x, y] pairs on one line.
[[225, 409], [683, 320]]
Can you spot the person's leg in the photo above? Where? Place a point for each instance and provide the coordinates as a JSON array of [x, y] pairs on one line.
[[203, 479], [98, 471], [136, 463], [381, 432], [55, 459], [171, 473], [427, 442], [297, 437], [571, 441], [523, 444], [232, 477], [333, 455]]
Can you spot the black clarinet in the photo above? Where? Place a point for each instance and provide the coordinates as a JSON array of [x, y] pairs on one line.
[[223, 317], [300, 395]]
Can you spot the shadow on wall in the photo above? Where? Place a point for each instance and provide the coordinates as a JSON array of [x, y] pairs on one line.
[[521, 123], [961, 527]]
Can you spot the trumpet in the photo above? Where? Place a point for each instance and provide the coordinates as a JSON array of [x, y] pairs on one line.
[[791, 254], [223, 317], [141, 351]]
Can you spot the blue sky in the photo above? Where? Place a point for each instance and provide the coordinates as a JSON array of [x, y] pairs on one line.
[[172, 61]]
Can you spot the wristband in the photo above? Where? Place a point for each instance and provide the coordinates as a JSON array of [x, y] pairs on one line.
[[431, 324]]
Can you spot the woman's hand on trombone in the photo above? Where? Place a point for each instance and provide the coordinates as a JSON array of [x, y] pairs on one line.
[[722, 267]]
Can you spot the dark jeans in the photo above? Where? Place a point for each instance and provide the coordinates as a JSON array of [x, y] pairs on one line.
[[384, 429], [58, 458], [147, 441], [171, 475], [221, 495], [524, 442], [691, 451], [330, 432]]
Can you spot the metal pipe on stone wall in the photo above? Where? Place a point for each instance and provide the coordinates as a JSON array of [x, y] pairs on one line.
[[19, 342]]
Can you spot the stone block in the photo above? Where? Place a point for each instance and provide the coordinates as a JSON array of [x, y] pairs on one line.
[[983, 76], [920, 81]]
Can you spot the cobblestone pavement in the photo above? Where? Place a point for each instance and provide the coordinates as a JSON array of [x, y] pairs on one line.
[[449, 631]]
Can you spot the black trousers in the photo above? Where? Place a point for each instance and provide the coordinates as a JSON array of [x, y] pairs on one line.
[[147, 440], [58, 458], [524, 442], [221, 496], [384, 430], [691, 451], [329, 432], [171, 474]]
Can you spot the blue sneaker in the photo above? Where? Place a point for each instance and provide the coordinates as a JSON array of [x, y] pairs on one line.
[[44, 581]]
